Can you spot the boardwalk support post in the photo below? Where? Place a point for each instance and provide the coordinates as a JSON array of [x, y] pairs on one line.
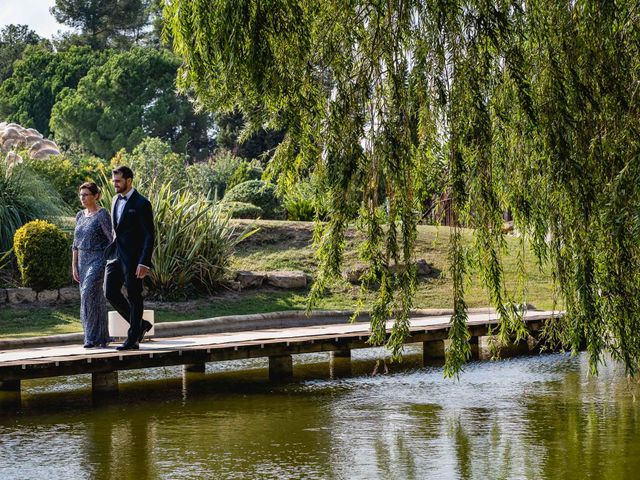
[[195, 367], [339, 364], [512, 349], [280, 368], [340, 354], [104, 382], [432, 350], [9, 385]]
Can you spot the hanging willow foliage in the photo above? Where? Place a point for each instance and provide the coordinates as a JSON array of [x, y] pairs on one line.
[[529, 106]]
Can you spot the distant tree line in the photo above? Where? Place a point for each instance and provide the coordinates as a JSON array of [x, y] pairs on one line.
[[109, 83]]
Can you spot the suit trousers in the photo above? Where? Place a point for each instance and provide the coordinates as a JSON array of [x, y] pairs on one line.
[[130, 307]]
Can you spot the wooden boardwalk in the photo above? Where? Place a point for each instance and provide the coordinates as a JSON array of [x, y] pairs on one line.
[[195, 351]]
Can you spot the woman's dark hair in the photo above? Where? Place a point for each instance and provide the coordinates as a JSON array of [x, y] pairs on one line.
[[92, 187], [126, 172]]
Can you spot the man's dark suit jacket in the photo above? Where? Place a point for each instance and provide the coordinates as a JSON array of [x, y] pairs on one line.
[[134, 233]]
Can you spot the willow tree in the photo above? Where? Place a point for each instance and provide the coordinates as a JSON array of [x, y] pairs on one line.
[[529, 106]]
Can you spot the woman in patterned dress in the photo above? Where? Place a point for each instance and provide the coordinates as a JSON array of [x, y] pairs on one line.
[[91, 236]]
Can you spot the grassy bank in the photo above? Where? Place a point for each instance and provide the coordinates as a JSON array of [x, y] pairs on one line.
[[287, 245]]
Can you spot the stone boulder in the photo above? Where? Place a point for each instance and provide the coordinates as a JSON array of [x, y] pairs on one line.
[[69, 294], [426, 270], [250, 279], [354, 274], [47, 296], [289, 280], [21, 295]]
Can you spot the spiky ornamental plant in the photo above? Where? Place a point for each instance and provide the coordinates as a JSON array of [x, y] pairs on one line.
[[533, 105]]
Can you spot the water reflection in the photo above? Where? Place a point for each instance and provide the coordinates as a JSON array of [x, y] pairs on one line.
[[534, 417]]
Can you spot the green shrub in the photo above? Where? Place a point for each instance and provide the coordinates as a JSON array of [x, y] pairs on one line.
[[194, 242], [303, 203], [258, 193], [212, 177], [245, 172], [25, 196], [153, 161], [67, 173], [43, 253], [240, 210], [299, 208]]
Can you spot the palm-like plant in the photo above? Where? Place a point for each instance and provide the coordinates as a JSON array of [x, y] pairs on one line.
[[194, 242], [24, 196], [5, 263]]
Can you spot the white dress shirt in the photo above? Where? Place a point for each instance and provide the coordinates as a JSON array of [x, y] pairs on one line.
[[120, 203]]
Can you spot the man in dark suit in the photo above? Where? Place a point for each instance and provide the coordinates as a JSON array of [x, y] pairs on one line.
[[129, 255]]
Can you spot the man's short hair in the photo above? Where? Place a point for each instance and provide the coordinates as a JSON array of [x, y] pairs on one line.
[[126, 172]]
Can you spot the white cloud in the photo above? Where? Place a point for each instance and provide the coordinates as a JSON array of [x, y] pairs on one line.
[[34, 13]]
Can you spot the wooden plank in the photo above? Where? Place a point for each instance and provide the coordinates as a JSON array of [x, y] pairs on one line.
[[70, 360]]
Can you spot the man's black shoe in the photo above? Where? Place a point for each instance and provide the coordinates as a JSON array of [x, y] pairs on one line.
[[128, 346], [144, 328]]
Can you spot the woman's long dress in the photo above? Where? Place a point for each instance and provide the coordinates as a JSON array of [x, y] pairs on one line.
[[91, 237]]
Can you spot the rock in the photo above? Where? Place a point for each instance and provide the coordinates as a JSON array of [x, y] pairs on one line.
[[424, 269], [21, 295], [69, 294], [353, 275], [292, 279], [47, 296], [235, 286], [249, 279], [3, 296]]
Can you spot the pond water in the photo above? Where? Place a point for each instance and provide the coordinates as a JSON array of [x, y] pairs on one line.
[[529, 417]]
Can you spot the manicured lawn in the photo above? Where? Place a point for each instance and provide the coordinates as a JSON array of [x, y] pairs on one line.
[[287, 245], [33, 321]]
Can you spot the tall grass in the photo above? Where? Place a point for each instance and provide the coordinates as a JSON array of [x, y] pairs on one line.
[[24, 196], [194, 242], [6, 272]]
